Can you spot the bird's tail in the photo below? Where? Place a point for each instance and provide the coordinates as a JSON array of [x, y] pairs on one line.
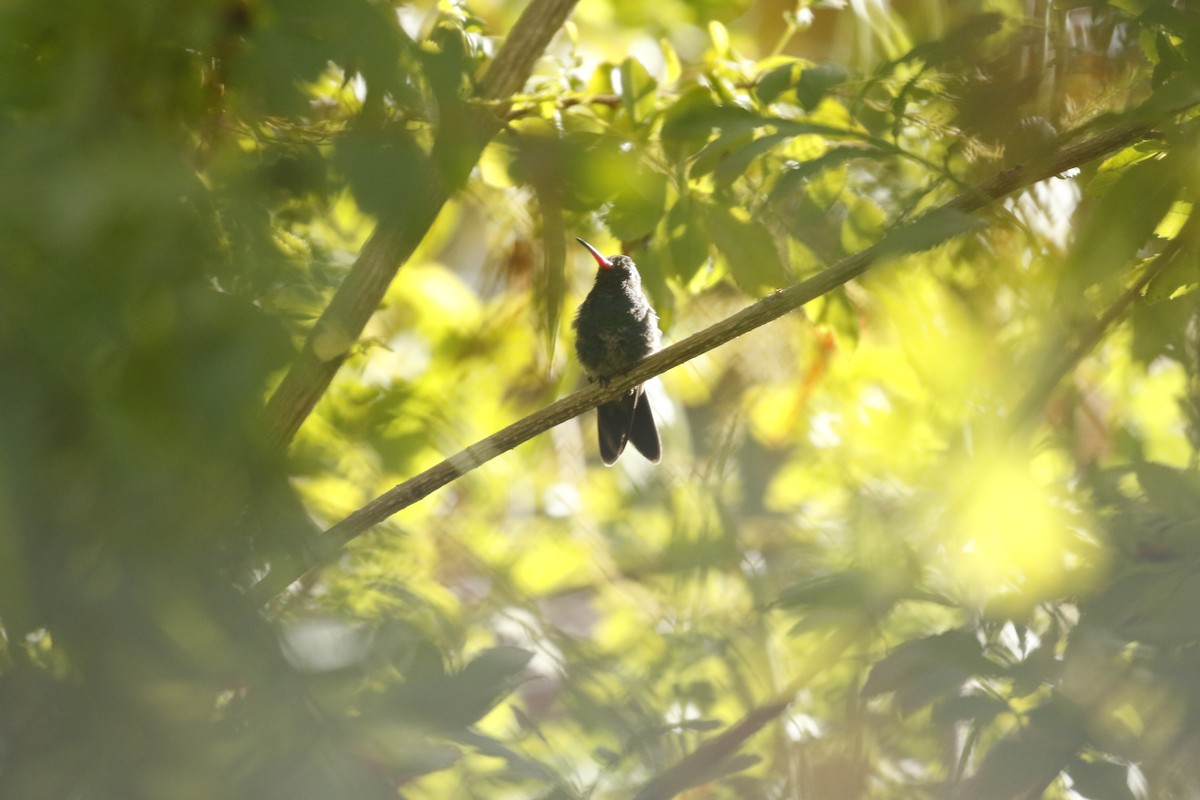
[[628, 420]]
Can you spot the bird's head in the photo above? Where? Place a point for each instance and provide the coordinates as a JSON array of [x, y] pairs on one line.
[[621, 265]]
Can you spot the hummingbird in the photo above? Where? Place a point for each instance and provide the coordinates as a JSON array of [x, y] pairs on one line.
[[615, 328]]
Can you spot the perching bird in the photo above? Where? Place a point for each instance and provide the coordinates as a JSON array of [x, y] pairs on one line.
[[615, 328]]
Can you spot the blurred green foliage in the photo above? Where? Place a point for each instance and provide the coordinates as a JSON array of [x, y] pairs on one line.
[[957, 603]]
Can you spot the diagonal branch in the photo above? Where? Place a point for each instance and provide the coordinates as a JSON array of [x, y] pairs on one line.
[[1043, 387], [711, 758], [760, 313], [396, 237]]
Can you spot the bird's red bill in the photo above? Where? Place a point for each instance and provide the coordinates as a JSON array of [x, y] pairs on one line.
[[601, 260]]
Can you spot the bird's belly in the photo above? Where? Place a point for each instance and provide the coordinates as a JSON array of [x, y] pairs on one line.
[[611, 352]]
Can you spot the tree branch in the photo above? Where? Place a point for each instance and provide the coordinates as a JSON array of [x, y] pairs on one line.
[[1039, 393], [395, 238], [708, 761], [756, 315]]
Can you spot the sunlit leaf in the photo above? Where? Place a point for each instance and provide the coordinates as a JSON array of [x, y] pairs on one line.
[[688, 238], [749, 248], [639, 203], [671, 61], [720, 38], [637, 88], [1117, 228]]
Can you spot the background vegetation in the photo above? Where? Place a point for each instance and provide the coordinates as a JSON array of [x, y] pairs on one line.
[[936, 535]]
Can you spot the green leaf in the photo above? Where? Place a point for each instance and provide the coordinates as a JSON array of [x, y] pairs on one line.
[[807, 83], [601, 80], [590, 171], [1122, 222], [1174, 493], [718, 150], [640, 201], [734, 165], [922, 670], [691, 119], [451, 701], [494, 666], [379, 166], [473, 692], [749, 249], [840, 314], [1173, 96], [777, 81], [1160, 328], [1151, 603], [816, 82], [637, 89], [962, 42], [978, 708], [1015, 767], [688, 242], [927, 231], [841, 598], [551, 286], [850, 588], [1101, 780]]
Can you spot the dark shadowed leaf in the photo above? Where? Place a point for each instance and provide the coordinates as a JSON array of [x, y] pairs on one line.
[[450, 701], [380, 166], [1174, 492], [739, 160], [841, 589], [922, 670], [978, 708], [718, 150], [961, 43], [816, 82], [1101, 780], [927, 231], [806, 84], [777, 81], [695, 115], [1014, 768], [494, 666], [1176, 93], [1152, 603]]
